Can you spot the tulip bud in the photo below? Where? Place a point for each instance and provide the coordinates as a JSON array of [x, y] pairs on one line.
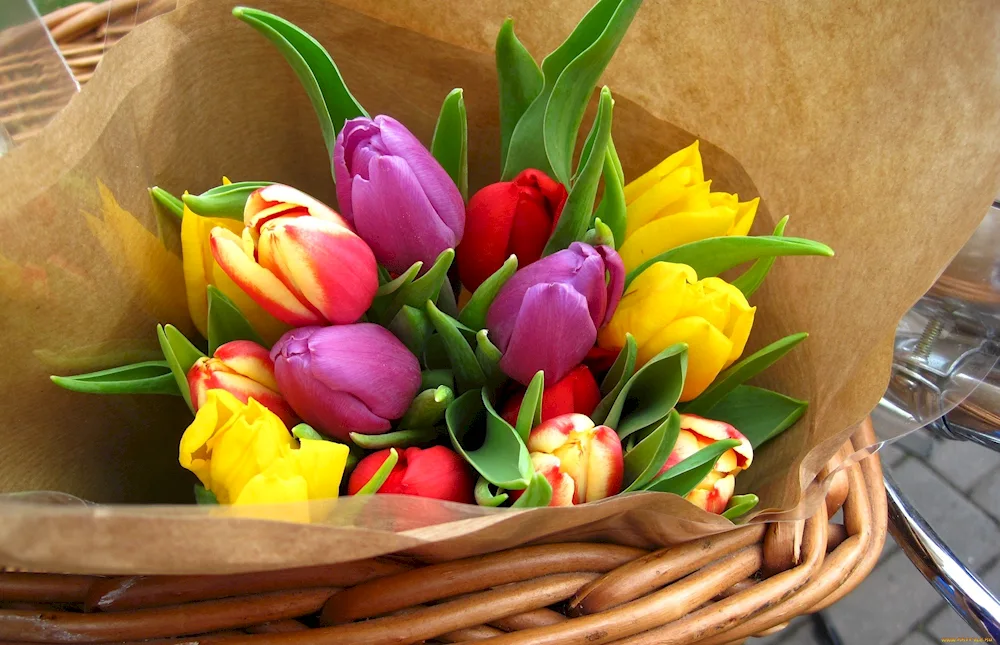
[[437, 473], [716, 489], [547, 315], [576, 392], [348, 378], [508, 218], [298, 259], [395, 193], [581, 462], [244, 369]]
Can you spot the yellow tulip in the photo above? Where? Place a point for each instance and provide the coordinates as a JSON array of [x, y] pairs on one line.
[[244, 454], [672, 204], [201, 270], [668, 304]]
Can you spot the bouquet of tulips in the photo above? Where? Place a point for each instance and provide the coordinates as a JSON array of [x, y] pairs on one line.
[[558, 337]]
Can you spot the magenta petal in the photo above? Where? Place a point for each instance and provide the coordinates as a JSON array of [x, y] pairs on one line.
[[342, 178], [616, 281], [393, 215], [553, 333]]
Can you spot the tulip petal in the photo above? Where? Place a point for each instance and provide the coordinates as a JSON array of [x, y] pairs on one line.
[[664, 234], [689, 157], [616, 280], [199, 263], [745, 213], [488, 225], [673, 194], [395, 208], [250, 360], [321, 464], [605, 465], [279, 484], [438, 473], [259, 283], [217, 411], [553, 332], [708, 351]]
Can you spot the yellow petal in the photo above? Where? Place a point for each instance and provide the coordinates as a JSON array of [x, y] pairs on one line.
[[253, 442], [198, 261], [321, 464], [651, 204], [708, 351], [745, 213], [214, 415], [276, 486], [664, 234], [650, 303], [689, 156]]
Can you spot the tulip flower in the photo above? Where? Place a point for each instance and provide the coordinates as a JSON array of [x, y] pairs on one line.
[[547, 315], [343, 379], [581, 462], [437, 473], [508, 218], [672, 204], [576, 392], [395, 193], [716, 489], [201, 270], [667, 304], [244, 454], [244, 369], [298, 259]]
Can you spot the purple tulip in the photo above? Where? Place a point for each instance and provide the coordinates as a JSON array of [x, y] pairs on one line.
[[399, 198], [547, 315], [346, 378]]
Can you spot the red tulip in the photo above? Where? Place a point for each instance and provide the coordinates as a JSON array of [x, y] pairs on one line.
[[510, 217], [437, 473], [576, 392]]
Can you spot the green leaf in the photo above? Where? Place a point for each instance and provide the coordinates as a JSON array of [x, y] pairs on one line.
[[753, 277], [389, 288], [397, 439], [740, 505], [599, 235], [169, 202], [742, 372], [619, 374], [759, 414], [181, 355], [446, 300], [502, 459], [333, 102], [474, 312], [306, 431], [579, 207], [537, 494], [489, 359], [616, 161], [485, 495], [468, 374], [572, 90], [227, 200], [682, 478], [612, 210], [519, 81], [432, 379], [204, 497], [530, 414], [435, 356], [226, 322], [419, 291], [644, 461], [712, 256], [375, 483], [651, 393], [412, 326], [450, 145], [427, 408], [150, 377]]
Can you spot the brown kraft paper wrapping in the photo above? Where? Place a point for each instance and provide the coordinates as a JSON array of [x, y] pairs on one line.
[[875, 126]]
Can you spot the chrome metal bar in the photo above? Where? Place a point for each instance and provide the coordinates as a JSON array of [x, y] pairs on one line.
[[946, 573]]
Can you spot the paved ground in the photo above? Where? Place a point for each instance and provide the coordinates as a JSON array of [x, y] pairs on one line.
[[956, 487]]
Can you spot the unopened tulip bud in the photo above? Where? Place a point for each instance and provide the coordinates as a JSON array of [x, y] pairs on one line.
[[437, 473], [576, 392]]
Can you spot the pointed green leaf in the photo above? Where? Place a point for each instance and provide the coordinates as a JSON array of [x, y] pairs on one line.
[[616, 378], [226, 322], [419, 291], [740, 505], [530, 414], [435, 356], [412, 326], [382, 474], [682, 478], [333, 102], [485, 495], [150, 377], [616, 161], [644, 461], [446, 300], [168, 202], [306, 431], [393, 286], [227, 200], [759, 414], [181, 355], [651, 393], [572, 91], [599, 235], [398, 439], [427, 408], [502, 459], [450, 145], [519, 81], [468, 374], [204, 497], [579, 207], [712, 256], [753, 277], [742, 372], [433, 379], [537, 494], [474, 312], [612, 210], [489, 359]]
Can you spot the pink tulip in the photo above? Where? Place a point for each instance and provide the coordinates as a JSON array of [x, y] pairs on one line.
[[298, 259]]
